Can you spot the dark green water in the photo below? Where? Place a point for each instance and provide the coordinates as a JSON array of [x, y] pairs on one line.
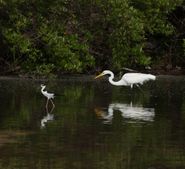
[[93, 126]]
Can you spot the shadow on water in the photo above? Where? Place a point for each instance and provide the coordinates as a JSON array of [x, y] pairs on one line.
[[93, 125]]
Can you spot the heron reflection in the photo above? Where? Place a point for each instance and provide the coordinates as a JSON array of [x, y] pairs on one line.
[[128, 111], [49, 117]]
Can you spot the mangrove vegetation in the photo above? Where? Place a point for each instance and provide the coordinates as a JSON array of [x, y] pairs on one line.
[[82, 36]]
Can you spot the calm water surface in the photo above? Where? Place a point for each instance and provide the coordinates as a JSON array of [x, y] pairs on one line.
[[93, 126]]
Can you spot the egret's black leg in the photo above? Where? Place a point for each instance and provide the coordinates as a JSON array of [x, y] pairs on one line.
[[139, 87]]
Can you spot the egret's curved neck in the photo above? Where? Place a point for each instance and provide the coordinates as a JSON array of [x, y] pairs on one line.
[[117, 83], [111, 77]]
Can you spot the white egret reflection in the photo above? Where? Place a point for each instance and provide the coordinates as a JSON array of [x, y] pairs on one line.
[[128, 111]]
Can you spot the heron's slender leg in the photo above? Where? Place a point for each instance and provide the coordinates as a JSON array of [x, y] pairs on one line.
[[52, 109], [47, 104], [47, 110], [52, 103]]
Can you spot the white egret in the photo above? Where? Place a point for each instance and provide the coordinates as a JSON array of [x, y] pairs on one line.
[[128, 79], [49, 96]]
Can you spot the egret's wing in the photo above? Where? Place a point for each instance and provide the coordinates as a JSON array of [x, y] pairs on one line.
[[134, 78]]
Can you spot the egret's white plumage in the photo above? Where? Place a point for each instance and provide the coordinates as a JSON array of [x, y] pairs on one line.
[[128, 79], [49, 96]]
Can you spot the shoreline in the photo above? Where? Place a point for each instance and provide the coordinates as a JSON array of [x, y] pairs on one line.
[[90, 76], [86, 77]]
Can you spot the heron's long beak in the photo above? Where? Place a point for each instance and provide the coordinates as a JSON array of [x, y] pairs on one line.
[[100, 75]]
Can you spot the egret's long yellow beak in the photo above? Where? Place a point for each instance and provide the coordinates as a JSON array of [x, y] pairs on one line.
[[100, 75]]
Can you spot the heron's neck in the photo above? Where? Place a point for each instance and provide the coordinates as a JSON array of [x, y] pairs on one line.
[[117, 83], [42, 90]]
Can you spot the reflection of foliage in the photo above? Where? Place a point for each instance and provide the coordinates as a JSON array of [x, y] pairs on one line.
[[18, 109], [138, 96], [76, 93], [76, 130], [129, 146]]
